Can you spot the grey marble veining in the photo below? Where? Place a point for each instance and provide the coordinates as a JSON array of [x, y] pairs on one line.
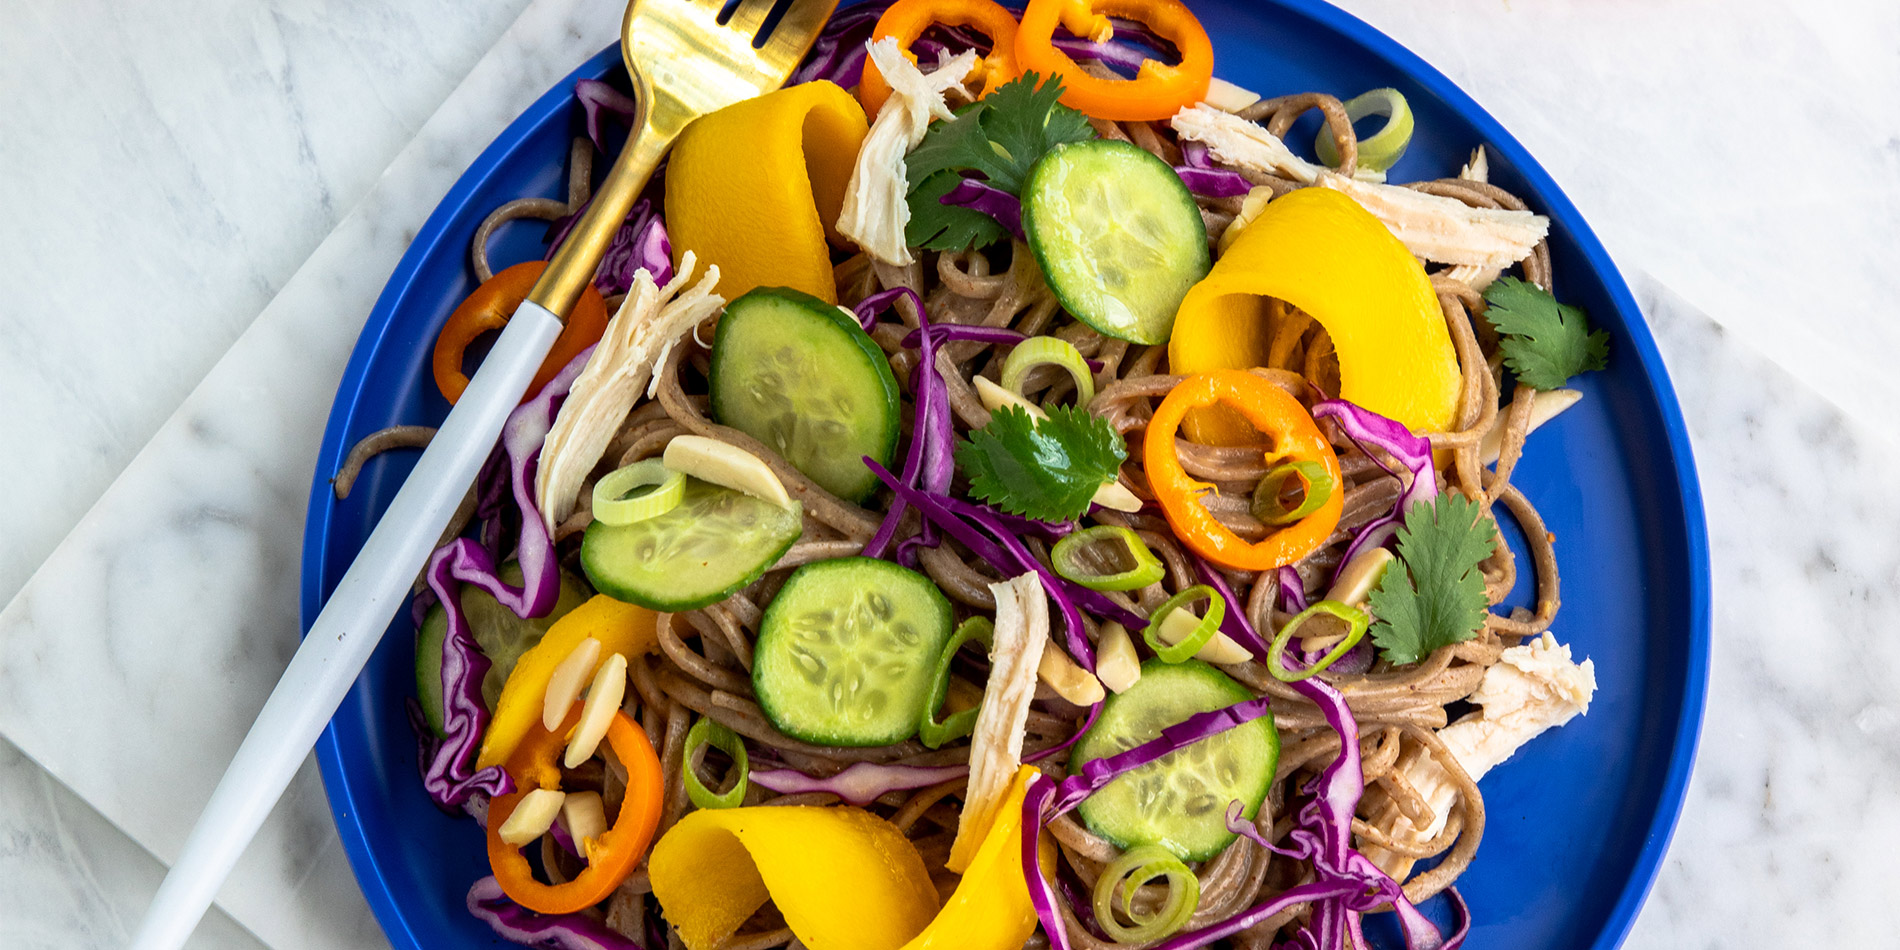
[[165, 167], [69, 880], [1792, 817]]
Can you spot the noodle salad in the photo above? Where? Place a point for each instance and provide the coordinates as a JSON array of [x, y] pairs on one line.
[[1006, 488]]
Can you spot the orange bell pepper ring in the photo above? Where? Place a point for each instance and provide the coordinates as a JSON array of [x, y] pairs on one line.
[[1294, 436], [612, 856], [1158, 90], [908, 19], [489, 308]]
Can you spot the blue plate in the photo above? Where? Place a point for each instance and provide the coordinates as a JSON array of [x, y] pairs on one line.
[[1577, 822]]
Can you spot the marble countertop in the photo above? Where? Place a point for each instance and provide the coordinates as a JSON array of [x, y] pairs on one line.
[[216, 189]]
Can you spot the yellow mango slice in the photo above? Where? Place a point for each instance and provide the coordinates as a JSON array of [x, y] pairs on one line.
[[1321, 252], [844, 878], [990, 909], [620, 627], [756, 188]]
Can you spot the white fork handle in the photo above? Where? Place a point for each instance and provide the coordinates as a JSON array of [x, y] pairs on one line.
[[346, 631]]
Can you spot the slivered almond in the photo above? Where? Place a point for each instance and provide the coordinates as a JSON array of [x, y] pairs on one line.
[[1070, 681], [1360, 574], [729, 465], [1227, 97], [564, 684], [1179, 623], [1545, 406], [532, 817], [584, 817], [1115, 661], [603, 700]]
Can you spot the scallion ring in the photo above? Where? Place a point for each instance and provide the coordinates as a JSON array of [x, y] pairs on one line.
[[1106, 557], [619, 500], [958, 724], [1383, 149], [1038, 350], [1115, 893], [708, 732], [1203, 631], [1316, 486], [1356, 622]]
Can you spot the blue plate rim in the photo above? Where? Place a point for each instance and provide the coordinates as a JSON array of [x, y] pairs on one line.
[[1687, 729]]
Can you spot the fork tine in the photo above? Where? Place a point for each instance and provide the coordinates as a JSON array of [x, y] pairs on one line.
[[749, 16], [798, 29]]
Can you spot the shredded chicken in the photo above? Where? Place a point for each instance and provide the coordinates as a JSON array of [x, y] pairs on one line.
[[1478, 169], [996, 744], [651, 320], [875, 212], [1438, 229], [1532, 688]]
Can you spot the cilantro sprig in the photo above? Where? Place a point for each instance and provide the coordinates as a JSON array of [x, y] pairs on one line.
[[1434, 595], [1544, 342], [1046, 469], [1000, 137]]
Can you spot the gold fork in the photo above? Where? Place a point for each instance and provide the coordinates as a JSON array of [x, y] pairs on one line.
[[684, 64]]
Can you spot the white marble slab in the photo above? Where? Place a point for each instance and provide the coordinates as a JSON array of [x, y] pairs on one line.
[[133, 662], [1787, 814], [164, 169]]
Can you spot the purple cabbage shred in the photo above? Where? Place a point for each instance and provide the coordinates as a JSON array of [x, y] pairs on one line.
[[1414, 452], [517, 924], [982, 197], [861, 784], [447, 762]]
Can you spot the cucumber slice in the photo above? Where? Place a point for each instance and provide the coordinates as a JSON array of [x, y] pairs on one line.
[[1180, 800], [801, 376], [499, 634], [504, 637], [716, 541], [847, 650], [1119, 237], [429, 639]]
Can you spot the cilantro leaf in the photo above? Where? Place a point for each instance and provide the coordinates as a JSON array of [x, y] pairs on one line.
[[1046, 470], [1544, 342], [940, 227], [1442, 602], [1001, 136]]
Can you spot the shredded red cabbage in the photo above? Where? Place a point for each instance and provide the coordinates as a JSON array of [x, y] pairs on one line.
[[838, 55], [928, 464], [446, 762], [861, 784], [1292, 592], [1202, 177], [517, 924], [599, 101], [1365, 427], [981, 196]]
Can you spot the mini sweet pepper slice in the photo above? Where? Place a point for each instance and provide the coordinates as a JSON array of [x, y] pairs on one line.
[[1321, 252], [908, 19], [610, 857], [1294, 438], [990, 909], [843, 878], [756, 187], [620, 627], [1157, 92], [489, 308]]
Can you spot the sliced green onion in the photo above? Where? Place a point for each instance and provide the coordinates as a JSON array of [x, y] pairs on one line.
[[1203, 632], [1038, 350], [1356, 622], [1316, 486], [1383, 149], [707, 732], [1082, 555], [958, 724], [1115, 893], [619, 499]]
